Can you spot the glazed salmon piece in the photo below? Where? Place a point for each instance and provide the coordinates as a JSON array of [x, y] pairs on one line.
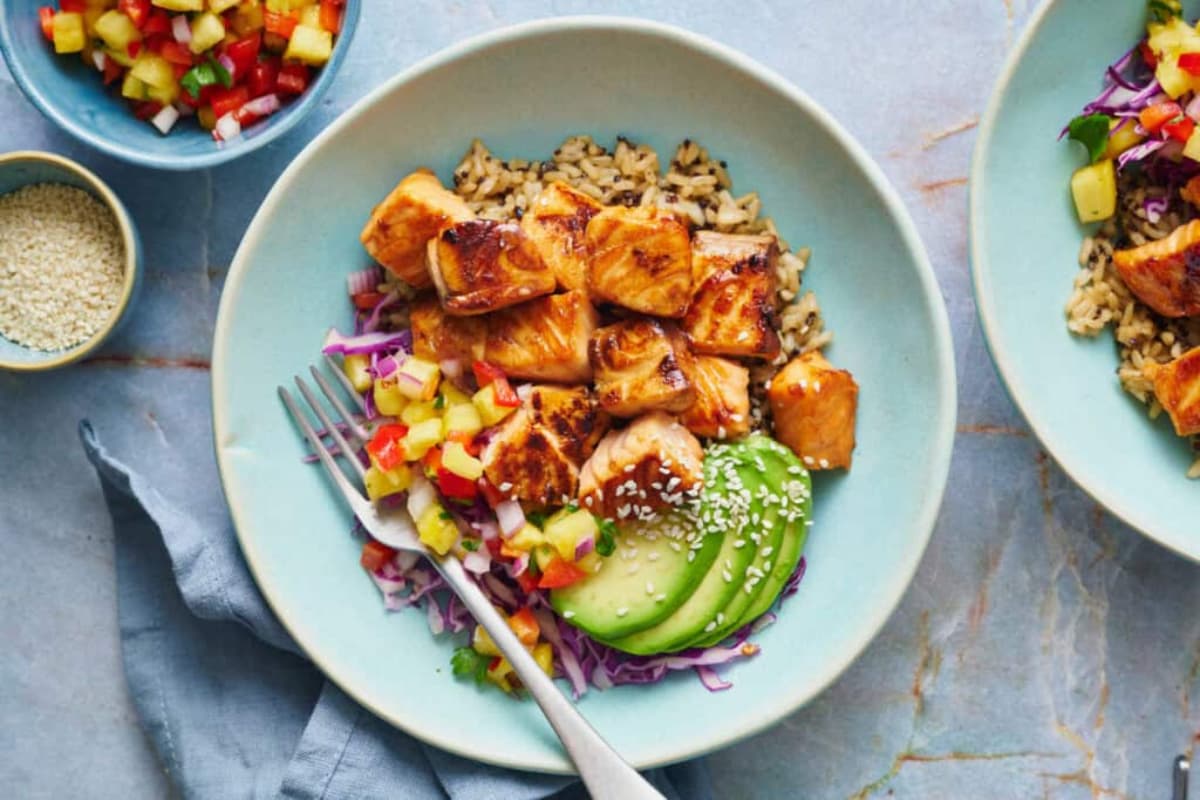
[[483, 265], [640, 258], [1177, 387], [733, 306], [814, 406], [721, 409], [544, 339], [572, 415], [639, 367], [400, 227], [635, 472], [437, 336], [555, 223], [1165, 274]]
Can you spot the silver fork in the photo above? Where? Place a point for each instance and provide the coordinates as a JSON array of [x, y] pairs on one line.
[[605, 774]]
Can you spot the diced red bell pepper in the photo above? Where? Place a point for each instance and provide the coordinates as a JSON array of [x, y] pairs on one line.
[[157, 24], [467, 440], [387, 445], [138, 11], [432, 461], [293, 79], [72, 6], [262, 77], [330, 16], [146, 110], [525, 625], [46, 20], [491, 494], [1180, 129], [363, 301], [527, 581], [493, 546], [486, 372], [156, 42], [279, 24], [133, 48], [112, 70], [244, 54], [244, 117], [456, 487], [227, 100], [375, 555], [506, 396], [176, 53], [559, 573], [1190, 63], [1148, 55], [180, 70], [1153, 117]]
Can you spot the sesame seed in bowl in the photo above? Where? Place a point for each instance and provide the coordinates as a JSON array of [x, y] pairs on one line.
[[68, 261]]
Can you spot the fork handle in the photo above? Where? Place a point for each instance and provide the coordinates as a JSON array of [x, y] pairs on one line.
[[605, 774]]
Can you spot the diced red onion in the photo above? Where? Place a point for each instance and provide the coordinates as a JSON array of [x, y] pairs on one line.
[[165, 119], [499, 592], [180, 29], [1192, 109], [478, 561], [585, 545], [99, 59], [488, 529], [363, 280], [433, 613], [227, 128], [511, 518], [523, 391], [372, 322], [451, 367], [385, 366], [336, 343], [406, 560], [263, 106], [518, 565], [225, 61], [421, 495]]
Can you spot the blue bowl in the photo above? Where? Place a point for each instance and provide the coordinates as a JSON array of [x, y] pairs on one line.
[[1025, 241], [72, 96], [24, 168]]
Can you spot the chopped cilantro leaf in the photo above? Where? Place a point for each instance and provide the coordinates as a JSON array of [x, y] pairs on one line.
[[440, 401], [1092, 132], [445, 515], [606, 542], [470, 544], [536, 518], [466, 663]]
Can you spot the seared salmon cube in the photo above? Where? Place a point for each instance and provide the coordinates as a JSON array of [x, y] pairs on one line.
[[524, 461], [652, 464], [483, 265], [641, 258], [814, 406], [400, 227], [1165, 274], [1177, 387], [572, 415], [555, 223], [544, 339], [721, 409], [438, 337], [733, 305], [639, 366]]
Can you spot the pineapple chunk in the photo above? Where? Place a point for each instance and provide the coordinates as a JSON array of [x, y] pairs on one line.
[[132, 88], [485, 403], [179, 5], [382, 483], [388, 399], [207, 30], [117, 30], [421, 437], [463, 419], [248, 18], [355, 368], [153, 70], [566, 532], [287, 6], [221, 6], [437, 530], [481, 640], [453, 396], [165, 95], [121, 57], [68, 32], [418, 379], [311, 45], [90, 15], [1174, 81], [456, 459], [418, 412], [498, 673], [1122, 138], [311, 17], [527, 538], [1095, 191], [1192, 148], [543, 654]]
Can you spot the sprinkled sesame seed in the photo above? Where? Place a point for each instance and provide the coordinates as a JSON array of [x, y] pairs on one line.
[[824, 463], [649, 587], [658, 598], [739, 544], [653, 555], [766, 552], [727, 576], [633, 568], [630, 467], [506, 486], [622, 611], [720, 617], [568, 614], [710, 627]]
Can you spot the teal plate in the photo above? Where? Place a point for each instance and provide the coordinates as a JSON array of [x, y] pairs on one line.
[[287, 285], [1025, 242]]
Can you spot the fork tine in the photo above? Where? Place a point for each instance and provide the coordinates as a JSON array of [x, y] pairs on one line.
[[356, 430], [350, 453], [340, 374], [355, 500]]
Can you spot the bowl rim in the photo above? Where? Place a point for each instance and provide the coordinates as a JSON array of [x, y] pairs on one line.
[[981, 283], [288, 118], [129, 240], [924, 519]]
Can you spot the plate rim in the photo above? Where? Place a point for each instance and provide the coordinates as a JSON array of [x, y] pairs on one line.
[[980, 271], [942, 441]]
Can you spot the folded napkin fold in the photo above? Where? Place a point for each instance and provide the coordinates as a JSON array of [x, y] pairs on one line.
[[229, 700]]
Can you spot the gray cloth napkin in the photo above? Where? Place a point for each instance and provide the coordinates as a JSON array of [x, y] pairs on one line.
[[229, 700]]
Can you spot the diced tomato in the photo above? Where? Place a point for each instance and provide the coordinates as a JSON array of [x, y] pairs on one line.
[[1148, 55], [527, 581], [493, 546], [156, 42], [227, 100], [146, 110], [280, 24], [133, 48], [138, 11], [157, 24], [364, 301], [1153, 117], [293, 79], [456, 487], [467, 440], [1190, 63], [1180, 129], [176, 53], [432, 461], [72, 6], [559, 573], [180, 70], [243, 53], [331, 16], [112, 70], [485, 373], [505, 395], [244, 117], [46, 20], [491, 494], [387, 445], [525, 625], [262, 77], [375, 555]]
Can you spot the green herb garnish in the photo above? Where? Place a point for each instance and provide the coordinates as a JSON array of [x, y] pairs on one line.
[[445, 515], [1091, 131], [223, 76], [572, 508], [1163, 10], [470, 545], [606, 542], [536, 518], [466, 663], [439, 402], [204, 74]]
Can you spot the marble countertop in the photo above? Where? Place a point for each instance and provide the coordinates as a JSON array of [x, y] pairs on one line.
[[1044, 649]]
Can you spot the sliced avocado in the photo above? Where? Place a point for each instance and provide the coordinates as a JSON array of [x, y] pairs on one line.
[[724, 508], [646, 578]]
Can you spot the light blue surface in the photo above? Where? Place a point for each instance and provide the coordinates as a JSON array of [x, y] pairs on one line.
[[70, 94], [287, 285], [1023, 223], [1045, 650]]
